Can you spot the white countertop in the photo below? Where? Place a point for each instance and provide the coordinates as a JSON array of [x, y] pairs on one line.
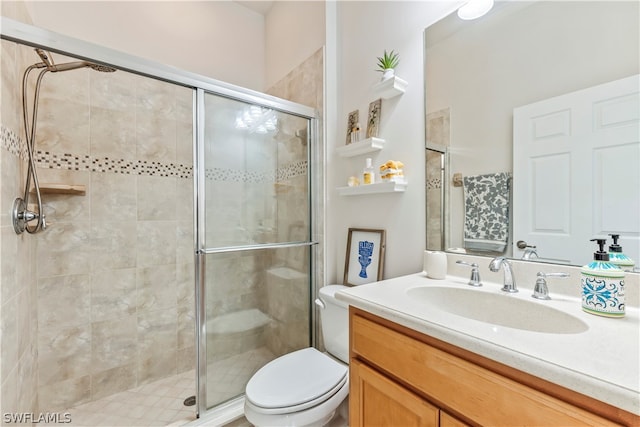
[[603, 362]]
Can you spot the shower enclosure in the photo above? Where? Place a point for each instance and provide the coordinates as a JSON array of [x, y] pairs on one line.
[[435, 164], [253, 240], [192, 250]]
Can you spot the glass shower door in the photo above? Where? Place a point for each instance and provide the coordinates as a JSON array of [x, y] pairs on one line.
[[435, 190], [254, 241]]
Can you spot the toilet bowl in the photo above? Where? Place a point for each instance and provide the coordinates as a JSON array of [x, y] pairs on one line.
[[305, 387]]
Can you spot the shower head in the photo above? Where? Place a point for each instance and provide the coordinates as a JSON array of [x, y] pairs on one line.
[[80, 64], [46, 62], [101, 68]]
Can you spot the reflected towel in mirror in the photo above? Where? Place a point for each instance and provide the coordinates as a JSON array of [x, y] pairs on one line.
[[486, 216]]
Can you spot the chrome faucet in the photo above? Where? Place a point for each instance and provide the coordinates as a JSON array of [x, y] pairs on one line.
[[509, 280]]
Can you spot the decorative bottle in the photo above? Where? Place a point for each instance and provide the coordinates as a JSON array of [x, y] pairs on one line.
[[617, 257], [368, 176], [355, 133], [602, 285]]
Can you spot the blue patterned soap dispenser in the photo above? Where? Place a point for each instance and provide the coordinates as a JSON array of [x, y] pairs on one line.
[[602, 285], [617, 257]]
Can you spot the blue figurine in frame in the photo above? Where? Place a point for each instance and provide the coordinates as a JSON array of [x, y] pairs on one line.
[[364, 261]]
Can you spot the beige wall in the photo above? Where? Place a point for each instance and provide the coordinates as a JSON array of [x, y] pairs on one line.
[[294, 30], [218, 39]]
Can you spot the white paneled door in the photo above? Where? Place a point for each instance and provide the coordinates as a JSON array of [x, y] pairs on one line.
[[577, 171]]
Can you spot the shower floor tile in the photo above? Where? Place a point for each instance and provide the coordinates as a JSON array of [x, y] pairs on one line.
[[160, 403], [228, 377], [155, 404]]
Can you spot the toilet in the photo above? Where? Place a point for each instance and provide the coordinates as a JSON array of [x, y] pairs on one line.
[[305, 387]]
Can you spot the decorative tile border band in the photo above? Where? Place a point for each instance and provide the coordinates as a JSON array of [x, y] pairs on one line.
[[87, 163], [44, 159], [434, 183], [11, 141]]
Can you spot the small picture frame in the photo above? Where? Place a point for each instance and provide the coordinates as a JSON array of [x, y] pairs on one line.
[[373, 120], [364, 262], [354, 118]]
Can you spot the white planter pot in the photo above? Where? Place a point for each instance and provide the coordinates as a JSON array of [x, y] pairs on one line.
[[388, 73]]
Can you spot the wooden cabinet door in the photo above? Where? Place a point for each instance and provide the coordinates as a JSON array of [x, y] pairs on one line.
[[377, 401], [447, 420]]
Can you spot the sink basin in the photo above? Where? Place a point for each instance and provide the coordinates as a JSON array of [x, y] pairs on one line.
[[497, 309]]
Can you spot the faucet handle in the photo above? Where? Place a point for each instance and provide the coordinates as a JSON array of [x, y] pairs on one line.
[[475, 273], [541, 291]]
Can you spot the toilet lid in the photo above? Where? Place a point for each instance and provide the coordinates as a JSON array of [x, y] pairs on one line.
[[300, 379]]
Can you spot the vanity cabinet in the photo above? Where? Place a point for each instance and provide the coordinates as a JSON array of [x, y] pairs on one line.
[[400, 377], [383, 402]]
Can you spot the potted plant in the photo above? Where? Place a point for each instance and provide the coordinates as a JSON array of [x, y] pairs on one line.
[[387, 63]]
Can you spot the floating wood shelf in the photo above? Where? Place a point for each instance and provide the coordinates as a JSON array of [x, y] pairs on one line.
[[389, 88], [77, 190], [368, 145], [381, 187]]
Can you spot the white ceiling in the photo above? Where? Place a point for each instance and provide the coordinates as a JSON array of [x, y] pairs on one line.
[[260, 6]]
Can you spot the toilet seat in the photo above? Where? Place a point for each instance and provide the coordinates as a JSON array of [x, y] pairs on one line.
[[295, 381]]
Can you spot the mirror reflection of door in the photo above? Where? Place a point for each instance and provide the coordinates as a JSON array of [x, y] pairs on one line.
[[480, 70], [576, 173]]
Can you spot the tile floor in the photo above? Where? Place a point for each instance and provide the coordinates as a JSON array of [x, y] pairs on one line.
[[161, 403]]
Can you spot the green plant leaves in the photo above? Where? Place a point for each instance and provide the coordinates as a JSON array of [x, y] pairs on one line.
[[388, 60]]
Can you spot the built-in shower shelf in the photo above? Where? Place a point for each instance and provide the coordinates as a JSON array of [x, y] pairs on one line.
[[368, 145], [77, 190], [381, 187]]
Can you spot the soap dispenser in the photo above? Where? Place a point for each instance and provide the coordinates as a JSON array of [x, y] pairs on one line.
[[617, 257], [602, 285]]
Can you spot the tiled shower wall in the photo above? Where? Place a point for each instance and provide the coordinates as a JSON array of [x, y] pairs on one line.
[[103, 299], [18, 340], [114, 270], [304, 85], [438, 133]]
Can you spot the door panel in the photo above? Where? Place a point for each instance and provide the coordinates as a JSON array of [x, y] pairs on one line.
[[576, 172]]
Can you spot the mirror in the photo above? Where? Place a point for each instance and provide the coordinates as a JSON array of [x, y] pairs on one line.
[[522, 53]]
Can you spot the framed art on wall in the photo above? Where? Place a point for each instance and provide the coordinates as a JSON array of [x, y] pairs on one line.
[[364, 262], [373, 120]]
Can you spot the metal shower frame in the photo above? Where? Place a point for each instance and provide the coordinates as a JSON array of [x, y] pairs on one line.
[[54, 42]]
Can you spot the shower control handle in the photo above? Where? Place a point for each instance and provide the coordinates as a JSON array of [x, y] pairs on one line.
[[27, 216]]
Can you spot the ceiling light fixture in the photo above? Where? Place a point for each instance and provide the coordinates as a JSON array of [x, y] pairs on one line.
[[474, 9]]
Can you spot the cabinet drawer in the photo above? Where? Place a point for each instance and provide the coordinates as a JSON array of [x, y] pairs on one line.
[[452, 383]]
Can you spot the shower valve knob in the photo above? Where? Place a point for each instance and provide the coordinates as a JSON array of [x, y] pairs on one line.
[[28, 216]]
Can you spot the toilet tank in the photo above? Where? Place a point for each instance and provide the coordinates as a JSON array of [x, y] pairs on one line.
[[334, 318]]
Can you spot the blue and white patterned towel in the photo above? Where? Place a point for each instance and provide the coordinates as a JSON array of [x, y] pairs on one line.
[[486, 206]]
